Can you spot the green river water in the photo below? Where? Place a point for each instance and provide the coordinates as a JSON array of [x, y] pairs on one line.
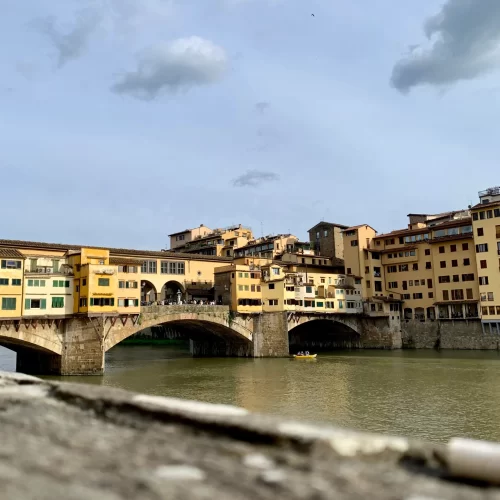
[[425, 394]]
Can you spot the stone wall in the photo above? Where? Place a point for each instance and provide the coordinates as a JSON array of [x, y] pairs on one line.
[[380, 333], [83, 349], [270, 337], [465, 334]]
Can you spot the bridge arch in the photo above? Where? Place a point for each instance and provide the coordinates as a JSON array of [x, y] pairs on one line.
[[202, 327], [45, 340], [169, 291], [149, 293], [316, 335]]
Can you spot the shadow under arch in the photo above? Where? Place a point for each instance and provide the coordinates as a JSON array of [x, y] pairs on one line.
[[322, 335], [206, 338], [169, 291]]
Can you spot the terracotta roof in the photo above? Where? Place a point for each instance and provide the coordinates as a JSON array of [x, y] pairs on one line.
[[398, 249], [124, 261], [403, 232], [327, 224], [491, 204], [11, 253], [466, 221], [115, 251]]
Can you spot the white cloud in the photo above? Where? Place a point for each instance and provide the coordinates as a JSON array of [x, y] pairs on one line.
[[464, 43], [70, 45], [173, 66], [255, 178]]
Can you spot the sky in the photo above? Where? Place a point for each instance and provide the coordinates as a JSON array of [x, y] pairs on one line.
[[122, 121]]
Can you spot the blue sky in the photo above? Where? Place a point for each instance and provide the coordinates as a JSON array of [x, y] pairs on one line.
[[125, 120]]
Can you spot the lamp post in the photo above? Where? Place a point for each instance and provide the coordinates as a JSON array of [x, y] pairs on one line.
[[178, 296]]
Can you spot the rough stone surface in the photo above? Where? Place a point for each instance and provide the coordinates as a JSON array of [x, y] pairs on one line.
[[70, 441], [271, 335], [459, 334]]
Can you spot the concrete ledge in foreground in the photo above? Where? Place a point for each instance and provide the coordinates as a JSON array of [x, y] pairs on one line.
[[72, 442]]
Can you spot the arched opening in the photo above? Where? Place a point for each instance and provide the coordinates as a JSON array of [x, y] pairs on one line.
[[419, 314], [28, 358], [173, 292], [204, 338], [148, 292], [408, 313], [322, 335]]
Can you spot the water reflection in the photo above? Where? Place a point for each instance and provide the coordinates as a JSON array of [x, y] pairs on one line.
[[426, 394]]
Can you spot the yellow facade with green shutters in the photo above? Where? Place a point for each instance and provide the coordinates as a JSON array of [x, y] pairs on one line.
[[11, 279]]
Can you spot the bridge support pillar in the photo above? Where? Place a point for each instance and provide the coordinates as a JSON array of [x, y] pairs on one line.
[[270, 335], [83, 347]]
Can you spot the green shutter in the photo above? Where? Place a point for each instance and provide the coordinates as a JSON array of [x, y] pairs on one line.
[[136, 302], [91, 302], [30, 282], [56, 283], [66, 284], [43, 304], [112, 302], [27, 304]]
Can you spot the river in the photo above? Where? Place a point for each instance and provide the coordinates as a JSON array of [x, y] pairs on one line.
[[425, 394]]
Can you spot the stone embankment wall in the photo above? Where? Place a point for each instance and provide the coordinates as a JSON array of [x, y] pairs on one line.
[[447, 335], [77, 441]]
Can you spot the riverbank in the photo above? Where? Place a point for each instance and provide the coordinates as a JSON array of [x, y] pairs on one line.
[[80, 441]]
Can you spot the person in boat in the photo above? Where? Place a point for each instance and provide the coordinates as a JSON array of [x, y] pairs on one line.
[[307, 353], [300, 353]]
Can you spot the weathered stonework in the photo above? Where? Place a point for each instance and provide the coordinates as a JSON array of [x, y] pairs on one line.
[[464, 334], [270, 335], [76, 441]]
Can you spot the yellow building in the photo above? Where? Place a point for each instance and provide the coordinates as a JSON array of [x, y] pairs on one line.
[[181, 238], [216, 242], [269, 247], [11, 283], [428, 267], [486, 226]]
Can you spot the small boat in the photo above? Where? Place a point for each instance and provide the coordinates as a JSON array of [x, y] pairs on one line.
[[305, 356]]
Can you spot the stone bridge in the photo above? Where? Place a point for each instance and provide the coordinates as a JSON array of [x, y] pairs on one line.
[[77, 345]]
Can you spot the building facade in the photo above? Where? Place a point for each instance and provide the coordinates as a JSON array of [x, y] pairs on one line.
[[326, 239]]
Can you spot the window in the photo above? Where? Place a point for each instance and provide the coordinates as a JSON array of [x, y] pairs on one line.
[[444, 279], [489, 214], [258, 288], [474, 216], [131, 284], [496, 211], [57, 302], [4, 281], [446, 295], [453, 248], [322, 280], [276, 272], [271, 286], [457, 295], [62, 283], [442, 264], [83, 302], [16, 282], [415, 267], [441, 249], [466, 262], [429, 283], [497, 231], [308, 289], [406, 296], [491, 309], [418, 296], [454, 263], [469, 293], [368, 284], [483, 264], [11, 264], [456, 278], [348, 270], [427, 251], [148, 267], [8, 303], [354, 243], [240, 288], [121, 284], [84, 281], [102, 302], [392, 284], [410, 282], [483, 247], [431, 295], [378, 286], [481, 216], [483, 280], [403, 268], [480, 231], [428, 265], [465, 246], [484, 311], [103, 281], [392, 269], [274, 302], [490, 297]]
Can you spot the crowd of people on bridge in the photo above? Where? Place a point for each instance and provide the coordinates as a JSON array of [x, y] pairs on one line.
[[167, 302]]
